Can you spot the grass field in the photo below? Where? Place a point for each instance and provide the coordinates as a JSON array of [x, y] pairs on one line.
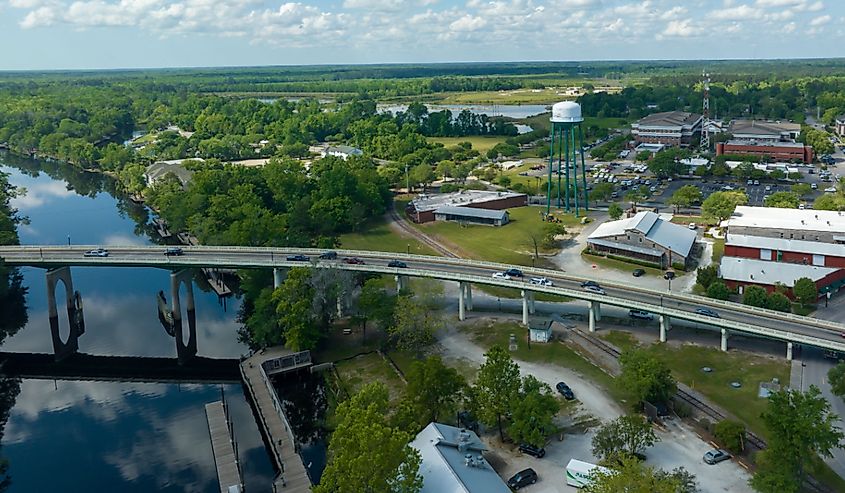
[[625, 266], [718, 250], [516, 96], [378, 236], [480, 143], [368, 368]]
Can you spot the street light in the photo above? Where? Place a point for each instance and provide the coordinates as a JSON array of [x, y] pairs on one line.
[[407, 179]]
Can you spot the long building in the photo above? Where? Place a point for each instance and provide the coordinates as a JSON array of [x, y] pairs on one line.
[[777, 140], [645, 236], [424, 208], [764, 131], [670, 128]]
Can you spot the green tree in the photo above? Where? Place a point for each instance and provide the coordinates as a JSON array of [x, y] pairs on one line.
[[601, 192], [755, 296], [805, 291], [836, 377], [614, 211], [801, 189], [433, 391], [635, 197], [829, 202], [731, 434], [777, 174], [785, 200], [376, 304], [293, 301], [800, 426], [718, 290], [685, 196], [666, 163], [779, 302], [532, 412], [648, 378], [706, 275], [416, 321], [365, 453], [632, 476], [496, 386], [720, 205], [623, 437]]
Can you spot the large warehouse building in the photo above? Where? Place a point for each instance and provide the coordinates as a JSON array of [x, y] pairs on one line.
[[645, 236], [777, 140], [670, 128], [424, 208], [765, 246]]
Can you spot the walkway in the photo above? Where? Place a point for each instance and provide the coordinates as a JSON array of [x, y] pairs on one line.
[[292, 475], [223, 447]]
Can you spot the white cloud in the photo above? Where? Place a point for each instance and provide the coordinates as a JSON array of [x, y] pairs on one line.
[[681, 29], [820, 20], [468, 23], [740, 12]]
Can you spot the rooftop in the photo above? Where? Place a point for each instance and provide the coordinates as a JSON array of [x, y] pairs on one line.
[[160, 169], [463, 198], [763, 128], [766, 272], [669, 119], [765, 143], [471, 212], [787, 219], [445, 467], [786, 245], [674, 237], [348, 150]]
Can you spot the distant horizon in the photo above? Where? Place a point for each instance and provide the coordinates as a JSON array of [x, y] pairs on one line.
[[149, 34]]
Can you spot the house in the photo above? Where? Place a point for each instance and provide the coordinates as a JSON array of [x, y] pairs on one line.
[[472, 215], [671, 128], [645, 236], [839, 125], [423, 208], [343, 152], [453, 462], [158, 170]]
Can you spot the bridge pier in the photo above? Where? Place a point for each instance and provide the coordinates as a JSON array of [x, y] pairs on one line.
[[184, 351], [468, 295], [789, 351], [401, 283], [277, 277], [725, 336], [525, 295], [665, 325], [73, 300], [592, 315], [461, 302], [531, 299]]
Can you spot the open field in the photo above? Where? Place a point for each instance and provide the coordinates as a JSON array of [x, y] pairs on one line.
[[379, 236], [515, 96], [368, 368], [480, 143]]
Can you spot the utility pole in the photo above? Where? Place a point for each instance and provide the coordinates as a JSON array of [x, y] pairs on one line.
[[705, 121], [407, 179]]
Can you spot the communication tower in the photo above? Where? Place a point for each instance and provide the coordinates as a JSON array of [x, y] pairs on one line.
[[567, 143], [705, 121]]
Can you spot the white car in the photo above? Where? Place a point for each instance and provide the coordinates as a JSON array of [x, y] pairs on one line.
[[594, 289], [830, 189], [501, 275], [99, 252], [540, 281], [691, 226]]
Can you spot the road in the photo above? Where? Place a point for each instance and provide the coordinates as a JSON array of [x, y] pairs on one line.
[[734, 317]]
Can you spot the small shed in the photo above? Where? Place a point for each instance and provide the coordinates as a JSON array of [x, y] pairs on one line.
[[540, 331], [472, 215]]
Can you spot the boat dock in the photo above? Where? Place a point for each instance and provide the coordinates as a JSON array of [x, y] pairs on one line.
[[224, 448], [256, 371]]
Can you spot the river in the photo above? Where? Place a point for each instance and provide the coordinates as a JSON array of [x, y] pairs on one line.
[[83, 436]]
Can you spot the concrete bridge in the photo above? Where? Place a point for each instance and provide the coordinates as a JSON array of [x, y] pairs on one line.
[[666, 305]]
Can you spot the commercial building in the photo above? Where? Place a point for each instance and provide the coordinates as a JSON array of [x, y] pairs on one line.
[[767, 246], [471, 215], [764, 131], [645, 236], [839, 125], [453, 462], [671, 128], [780, 151], [422, 209]]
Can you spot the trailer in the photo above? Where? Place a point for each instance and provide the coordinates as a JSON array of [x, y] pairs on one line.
[[580, 473]]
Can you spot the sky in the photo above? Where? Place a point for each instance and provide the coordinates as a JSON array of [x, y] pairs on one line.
[[93, 34]]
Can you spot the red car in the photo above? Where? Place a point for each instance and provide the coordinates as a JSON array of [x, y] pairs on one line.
[[353, 260]]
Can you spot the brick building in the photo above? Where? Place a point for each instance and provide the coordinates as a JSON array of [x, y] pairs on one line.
[[422, 209], [779, 151], [645, 236], [671, 128]]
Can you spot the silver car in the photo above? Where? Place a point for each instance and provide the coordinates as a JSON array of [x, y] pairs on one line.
[[716, 456]]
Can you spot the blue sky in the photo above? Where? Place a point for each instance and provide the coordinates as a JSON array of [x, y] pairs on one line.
[[60, 34]]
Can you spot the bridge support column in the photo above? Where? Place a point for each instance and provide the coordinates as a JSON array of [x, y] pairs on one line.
[[277, 277], [595, 308], [401, 283], [531, 299], [73, 301], [468, 295], [598, 312], [725, 336], [461, 302], [665, 325], [525, 295], [789, 351], [184, 350]]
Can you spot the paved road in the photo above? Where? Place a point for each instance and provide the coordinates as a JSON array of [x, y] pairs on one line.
[[734, 317]]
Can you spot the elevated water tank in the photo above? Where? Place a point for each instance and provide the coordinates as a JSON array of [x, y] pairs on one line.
[[566, 112]]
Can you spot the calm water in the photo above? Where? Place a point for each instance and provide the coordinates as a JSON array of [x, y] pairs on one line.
[[82, 436], [517, 111]]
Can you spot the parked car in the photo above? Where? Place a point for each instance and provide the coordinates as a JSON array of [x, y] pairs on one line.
[[501, 275], [830, 189], [768, 188], [173, 251], [814, 186], [749, 182], [565, 391], [298, 258], [638, 272], [639, 314], [353, 260], [540, 281], [330, 255], [692, 226], [99, 252], [756, 182], [669, 274], [589, 283], [527, 448], [716, 456], [594, 289], [398, 264], [522, 478], [707, 312], [514, 273]]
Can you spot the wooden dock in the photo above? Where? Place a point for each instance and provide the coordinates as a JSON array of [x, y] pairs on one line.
[[292, 477], [223, 446]]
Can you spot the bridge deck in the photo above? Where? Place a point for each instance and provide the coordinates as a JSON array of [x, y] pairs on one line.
[[222, 444], [292, 477]]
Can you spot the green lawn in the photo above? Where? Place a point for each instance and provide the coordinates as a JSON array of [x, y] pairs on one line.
[[378, 236], [612, 263], [368, 368], [479, 142], [718, 250]]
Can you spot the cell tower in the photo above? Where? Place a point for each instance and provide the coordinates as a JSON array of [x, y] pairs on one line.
[[567, 141], [705, 107]]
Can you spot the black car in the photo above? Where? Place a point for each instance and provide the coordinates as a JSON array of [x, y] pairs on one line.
[[523, 478], [297, 258], [565, 391], [514, 273], [589, 283], [527, 448], [669, 274], [638, 272], [397, 263], [173, 251], [707, 312], [328, 255]]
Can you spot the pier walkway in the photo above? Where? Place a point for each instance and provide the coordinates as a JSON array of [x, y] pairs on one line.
[[255, 370], [224, 449]]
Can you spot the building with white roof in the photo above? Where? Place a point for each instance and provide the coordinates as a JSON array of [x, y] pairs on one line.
[[644, 236], [423, 208], [453, 462], [740, 272], [793, 224], [472, 215], [343, 152], [671, 128]]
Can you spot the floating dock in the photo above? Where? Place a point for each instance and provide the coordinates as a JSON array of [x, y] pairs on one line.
[[224, 448]]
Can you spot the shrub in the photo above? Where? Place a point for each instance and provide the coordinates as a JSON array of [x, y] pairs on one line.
[[731, 434]]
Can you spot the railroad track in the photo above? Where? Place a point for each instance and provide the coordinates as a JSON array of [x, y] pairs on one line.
[[402, 224], [714, 414]]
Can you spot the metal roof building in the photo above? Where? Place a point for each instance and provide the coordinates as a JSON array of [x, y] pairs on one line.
[[472, 215], [452, 462], [645, 236], [763, 272]]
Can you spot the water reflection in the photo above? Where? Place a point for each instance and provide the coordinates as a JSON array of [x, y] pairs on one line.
[[305, 401]]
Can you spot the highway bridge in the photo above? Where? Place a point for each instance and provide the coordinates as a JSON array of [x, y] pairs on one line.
[[666, 305]]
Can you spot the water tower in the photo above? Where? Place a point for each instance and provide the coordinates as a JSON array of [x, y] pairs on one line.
[[567, 143]]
